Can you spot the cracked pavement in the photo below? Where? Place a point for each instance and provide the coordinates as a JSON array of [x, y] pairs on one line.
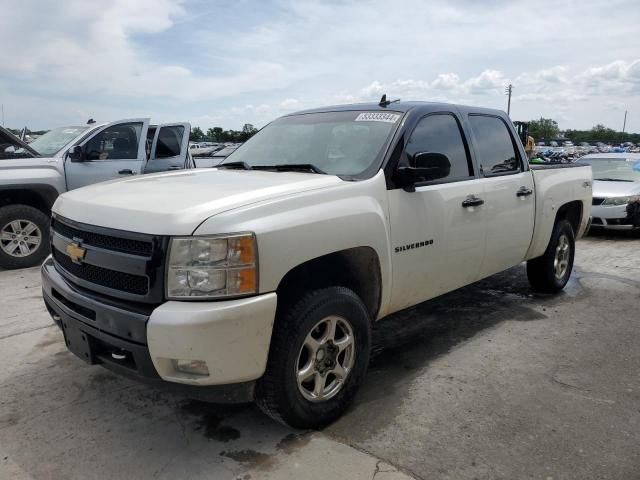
[[490, 381]]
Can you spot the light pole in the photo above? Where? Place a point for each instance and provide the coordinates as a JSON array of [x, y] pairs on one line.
[[507, 91]]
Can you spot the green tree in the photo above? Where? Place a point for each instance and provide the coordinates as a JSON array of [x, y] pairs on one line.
[[196, 135], [215, 134], [248, 131], [543, 128]]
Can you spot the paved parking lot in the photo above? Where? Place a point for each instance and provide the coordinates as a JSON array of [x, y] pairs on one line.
[[487, 382]]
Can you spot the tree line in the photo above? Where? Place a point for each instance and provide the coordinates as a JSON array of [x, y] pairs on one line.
[[547, 128], [218, 134]]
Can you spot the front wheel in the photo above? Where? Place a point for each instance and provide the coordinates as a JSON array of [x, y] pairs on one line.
[[24, 236], [319, 356], [550, 272]]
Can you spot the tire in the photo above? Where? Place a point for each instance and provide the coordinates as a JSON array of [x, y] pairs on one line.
[[545, 273], [34, 224], [278, 393]]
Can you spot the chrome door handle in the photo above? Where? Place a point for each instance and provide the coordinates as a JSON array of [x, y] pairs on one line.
[[524, 192], [472, 201]]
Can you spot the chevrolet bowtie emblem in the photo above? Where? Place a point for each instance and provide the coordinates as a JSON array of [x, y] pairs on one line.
[[76, 252]]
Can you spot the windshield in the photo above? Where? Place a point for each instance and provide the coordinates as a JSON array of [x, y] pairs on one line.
[[55, 140], [624, 169], [337, 143]]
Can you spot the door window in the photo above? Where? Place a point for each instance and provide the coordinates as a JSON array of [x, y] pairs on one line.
[[441, 133], [117, 142], [496, 151], [169, 141]]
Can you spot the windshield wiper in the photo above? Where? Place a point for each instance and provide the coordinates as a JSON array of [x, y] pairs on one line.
[[289, 167], [613, 180], [235, 165]]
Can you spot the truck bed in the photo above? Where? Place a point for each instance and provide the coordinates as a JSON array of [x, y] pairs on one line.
[[557, 185]]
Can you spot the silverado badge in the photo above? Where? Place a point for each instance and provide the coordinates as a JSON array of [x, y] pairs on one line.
[[76, 252]]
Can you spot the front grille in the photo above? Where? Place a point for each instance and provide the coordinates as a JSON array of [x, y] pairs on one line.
[[126, 282], [597, 201], [124, 245]]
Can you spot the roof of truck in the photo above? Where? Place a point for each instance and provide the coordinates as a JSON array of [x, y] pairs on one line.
[[403, 107]]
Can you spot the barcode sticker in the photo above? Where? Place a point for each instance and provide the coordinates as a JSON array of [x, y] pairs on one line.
[[378, 117]]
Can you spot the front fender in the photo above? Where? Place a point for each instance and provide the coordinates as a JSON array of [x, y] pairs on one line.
[[301, 227]]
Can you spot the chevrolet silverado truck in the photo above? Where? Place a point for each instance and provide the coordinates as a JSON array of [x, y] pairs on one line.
[[32, 176], [260, 279]]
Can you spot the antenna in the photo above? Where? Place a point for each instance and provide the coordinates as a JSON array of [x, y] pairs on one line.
[[384, 102]]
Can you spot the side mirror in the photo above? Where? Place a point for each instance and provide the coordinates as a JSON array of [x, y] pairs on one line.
[[76, 154], [427, 166]]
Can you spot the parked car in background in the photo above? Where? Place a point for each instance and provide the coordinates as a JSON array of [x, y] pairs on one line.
[[216, 157], [261, 279], [616, 190], [32, 176], [204, 148]]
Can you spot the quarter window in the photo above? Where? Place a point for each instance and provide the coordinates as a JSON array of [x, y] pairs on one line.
[[117, 142], [496, 151], [440, 133]]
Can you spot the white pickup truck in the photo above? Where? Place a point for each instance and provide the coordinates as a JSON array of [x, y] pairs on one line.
[[260, 279]]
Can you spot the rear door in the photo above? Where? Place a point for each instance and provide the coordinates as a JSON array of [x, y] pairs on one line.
[[116, 150], [170, 148], [508, 193], [438, 236]]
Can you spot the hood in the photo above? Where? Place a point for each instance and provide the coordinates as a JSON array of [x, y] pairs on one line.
[[604, 189], [176, 203], [8, 139]]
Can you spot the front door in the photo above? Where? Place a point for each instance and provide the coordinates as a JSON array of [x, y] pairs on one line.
[[437, 234], [116, 150], [169, 148], [508, 193]]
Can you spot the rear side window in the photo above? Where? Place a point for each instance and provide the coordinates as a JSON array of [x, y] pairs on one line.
[[496, 151], [440, 133], [169, 141]]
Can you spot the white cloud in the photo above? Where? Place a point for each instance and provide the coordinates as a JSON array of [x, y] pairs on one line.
[[180, 59]]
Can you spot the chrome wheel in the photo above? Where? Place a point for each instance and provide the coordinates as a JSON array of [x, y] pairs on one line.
[[561, 259], [325, 359], [20, 238]]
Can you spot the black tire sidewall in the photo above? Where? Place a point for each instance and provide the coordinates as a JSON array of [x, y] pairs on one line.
[[296, 410], [25, 212], [551, 283]]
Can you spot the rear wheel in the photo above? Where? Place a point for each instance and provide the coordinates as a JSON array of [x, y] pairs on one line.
[[550, 272], [24, 236], [319, 356]]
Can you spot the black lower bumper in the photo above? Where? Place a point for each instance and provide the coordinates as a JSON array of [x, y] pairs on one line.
[[105, 334]]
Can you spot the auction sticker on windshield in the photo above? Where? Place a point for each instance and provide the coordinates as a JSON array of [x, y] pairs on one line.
[[378, 117]]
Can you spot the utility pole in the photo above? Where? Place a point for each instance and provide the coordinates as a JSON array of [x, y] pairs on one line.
[[624, 124], [507, 91], [3, 114]]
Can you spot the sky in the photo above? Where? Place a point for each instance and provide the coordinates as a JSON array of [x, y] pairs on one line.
[[227, 63]]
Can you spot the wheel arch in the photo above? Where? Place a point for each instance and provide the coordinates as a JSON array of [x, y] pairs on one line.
[[355, 268], [572, 212], [39, 196]]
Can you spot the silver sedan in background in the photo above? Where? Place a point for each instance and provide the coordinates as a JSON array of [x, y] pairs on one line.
[[616, 190]]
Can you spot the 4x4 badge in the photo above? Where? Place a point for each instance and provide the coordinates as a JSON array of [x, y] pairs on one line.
[[76, 252]]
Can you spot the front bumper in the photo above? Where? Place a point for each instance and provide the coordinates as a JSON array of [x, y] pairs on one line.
[[612, 217], [140, 341]]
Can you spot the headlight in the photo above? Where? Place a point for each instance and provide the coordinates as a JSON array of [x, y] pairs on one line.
[[208, 267], [616, 201]]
